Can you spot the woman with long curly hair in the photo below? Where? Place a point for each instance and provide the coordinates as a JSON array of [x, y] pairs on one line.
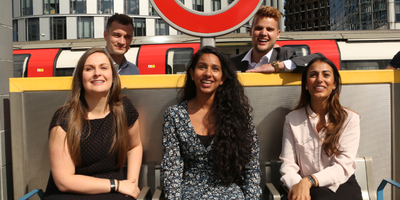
[[93, 135], [210, 145], [320, 139]]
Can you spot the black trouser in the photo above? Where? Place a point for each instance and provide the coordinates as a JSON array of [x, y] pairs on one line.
[[347, 191]]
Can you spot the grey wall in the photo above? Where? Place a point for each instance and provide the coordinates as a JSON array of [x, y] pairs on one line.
[[6, 71], [32, 112]]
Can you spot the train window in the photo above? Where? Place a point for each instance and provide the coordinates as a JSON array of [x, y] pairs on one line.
[[20, 61], [363, 64], [64, 71], [177, 58], [301, 50]]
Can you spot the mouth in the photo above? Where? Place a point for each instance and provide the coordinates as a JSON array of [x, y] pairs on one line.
[[263, 41], [97, 82], [319, 88], [206, 83]]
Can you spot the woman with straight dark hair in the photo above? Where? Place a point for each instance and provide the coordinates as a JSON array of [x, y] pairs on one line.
[[210, 145], [93, 135], [320, 139]]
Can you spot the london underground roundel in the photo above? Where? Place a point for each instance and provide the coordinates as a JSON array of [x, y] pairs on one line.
[[206, 24]]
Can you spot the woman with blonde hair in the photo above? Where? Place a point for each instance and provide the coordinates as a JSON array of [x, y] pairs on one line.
[[320, 139], [93, 135]]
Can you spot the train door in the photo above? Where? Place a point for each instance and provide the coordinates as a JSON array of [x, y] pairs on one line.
[[177, 59], [165, 58], [34, 62], [20, 62]]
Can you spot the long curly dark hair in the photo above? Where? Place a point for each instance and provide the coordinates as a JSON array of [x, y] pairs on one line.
[[337, 114], [230, 115]]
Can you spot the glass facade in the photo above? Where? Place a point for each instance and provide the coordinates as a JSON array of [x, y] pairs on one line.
[[26, 7], [162, 28], [105, 6], [358, 15], [152, 11], [78, 6], [15, 30], [132, 7], [51, 7], [216, 5], [85, 27], [397, 10], [139, 25], [32, 27], [58, 28], [198, 5]]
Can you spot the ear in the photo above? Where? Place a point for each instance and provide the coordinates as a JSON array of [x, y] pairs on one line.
[[191, 73], [279, 33], [250, 29], [105, 35]]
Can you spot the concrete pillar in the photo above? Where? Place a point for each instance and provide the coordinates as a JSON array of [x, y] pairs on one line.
[[6, 68]]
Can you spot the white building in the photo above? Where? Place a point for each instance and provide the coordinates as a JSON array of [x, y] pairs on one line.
[[77, 19]]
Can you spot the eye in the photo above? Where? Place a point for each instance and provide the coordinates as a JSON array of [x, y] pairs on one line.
[[215, 68]]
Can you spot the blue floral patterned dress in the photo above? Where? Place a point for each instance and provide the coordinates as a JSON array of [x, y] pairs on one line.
[[187, 169]]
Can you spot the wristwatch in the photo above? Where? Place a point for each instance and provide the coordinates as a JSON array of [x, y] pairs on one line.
[[275, 64], [312, 181]]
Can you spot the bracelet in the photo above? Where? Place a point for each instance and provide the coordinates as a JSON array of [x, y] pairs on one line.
[[112, 181], [312, 180], [117, 186]]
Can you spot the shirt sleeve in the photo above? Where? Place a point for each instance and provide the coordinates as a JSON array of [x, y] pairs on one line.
[[343, 165], [172, 163], [289, 168], [252, 173]]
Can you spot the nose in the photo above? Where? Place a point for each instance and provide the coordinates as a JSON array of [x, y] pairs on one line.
[[208, 71], [263, 31], [121, 40], [96, 72], [319, 78]]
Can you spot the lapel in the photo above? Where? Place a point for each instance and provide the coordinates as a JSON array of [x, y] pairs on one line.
[[274, 56]]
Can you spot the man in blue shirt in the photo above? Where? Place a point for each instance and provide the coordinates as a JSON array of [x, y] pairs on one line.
[[119, 35]]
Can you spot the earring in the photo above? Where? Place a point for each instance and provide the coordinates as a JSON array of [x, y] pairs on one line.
[[334, 88], [306, 88]]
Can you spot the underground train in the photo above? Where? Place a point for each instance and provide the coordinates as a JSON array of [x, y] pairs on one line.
[[349, 50]]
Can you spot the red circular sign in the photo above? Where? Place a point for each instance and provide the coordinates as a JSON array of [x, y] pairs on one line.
[[206, 24]]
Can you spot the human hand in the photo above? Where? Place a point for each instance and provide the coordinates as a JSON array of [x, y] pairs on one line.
[[129, 188], [267, 68], [301, 190]]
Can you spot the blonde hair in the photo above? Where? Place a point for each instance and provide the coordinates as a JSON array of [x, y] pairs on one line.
[[267, 11]]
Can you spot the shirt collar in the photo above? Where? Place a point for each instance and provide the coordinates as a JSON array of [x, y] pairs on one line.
[[264, 60], [124, 62]]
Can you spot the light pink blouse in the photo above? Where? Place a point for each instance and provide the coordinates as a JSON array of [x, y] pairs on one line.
[[302, 152]]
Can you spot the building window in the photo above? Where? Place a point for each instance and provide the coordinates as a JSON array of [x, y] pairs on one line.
[[105, 6], [198, 5], [32, 27], [85, 27], [15, 30], [162, 28], [216, 5], [132, 7], [397, 10], [182, 1], [152, 11], [51, 7], [26, 7], [58, 28], [78, 6], [139, 25]]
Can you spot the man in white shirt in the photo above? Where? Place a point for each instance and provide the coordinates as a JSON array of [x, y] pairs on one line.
[[263, 57]]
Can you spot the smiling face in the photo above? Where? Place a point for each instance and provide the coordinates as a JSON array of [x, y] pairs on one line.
[[97, 74], [119, 38], [207, 74], [264, 32], [320, 81]]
